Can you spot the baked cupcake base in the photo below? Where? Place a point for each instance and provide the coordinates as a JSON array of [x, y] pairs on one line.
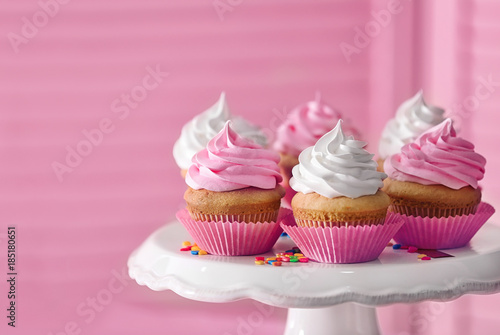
[[235, 238], [442, 233], [315, 210], [346, 244], [414, 199], [380, 164], [245, 205], [286, 164]]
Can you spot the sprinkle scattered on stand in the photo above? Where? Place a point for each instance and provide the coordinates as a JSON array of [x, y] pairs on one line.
[[193, 248], [290, 256], [293, 255], [412, 250]]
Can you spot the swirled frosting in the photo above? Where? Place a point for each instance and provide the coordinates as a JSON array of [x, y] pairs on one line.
[[438, 157], [305, 124], [413, 117], [337, 165], [203, 127], [231, 162]]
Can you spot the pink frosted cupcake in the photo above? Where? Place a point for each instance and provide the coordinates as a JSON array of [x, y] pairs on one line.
[[433, 184], [203, 127], [303, 126], [339, 208], [233, 198]]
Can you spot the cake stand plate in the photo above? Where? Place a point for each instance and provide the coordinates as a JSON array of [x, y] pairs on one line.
[[322, 298]]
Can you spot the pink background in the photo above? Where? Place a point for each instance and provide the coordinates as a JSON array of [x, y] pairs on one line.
[[75, 235]]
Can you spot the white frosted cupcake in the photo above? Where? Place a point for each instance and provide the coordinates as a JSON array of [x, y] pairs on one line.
[[339, 207], [303, 127], [202, 128], [413, 117]]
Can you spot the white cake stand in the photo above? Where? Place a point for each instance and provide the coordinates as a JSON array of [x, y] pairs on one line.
[[322, 298]]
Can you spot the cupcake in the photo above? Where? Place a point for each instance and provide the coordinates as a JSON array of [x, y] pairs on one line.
[[436, 175], [433, 183], [337, 184], [413, 117], [234, 179], [302, 128], [233, 196], [203, 127], [339, 208]]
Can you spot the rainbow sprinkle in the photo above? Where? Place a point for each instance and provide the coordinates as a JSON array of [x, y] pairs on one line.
[[293, 255]]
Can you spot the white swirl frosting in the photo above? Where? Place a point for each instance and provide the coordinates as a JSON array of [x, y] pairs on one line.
[[413, 117], [337, 166], [196, 134]]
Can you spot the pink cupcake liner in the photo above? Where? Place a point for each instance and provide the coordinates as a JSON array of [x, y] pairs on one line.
[[257, 217], [433, 212], [442, 233], [346, 244], [235, 238], [313, 223]]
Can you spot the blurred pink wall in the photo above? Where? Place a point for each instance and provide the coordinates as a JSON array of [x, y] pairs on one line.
[[66, 73]]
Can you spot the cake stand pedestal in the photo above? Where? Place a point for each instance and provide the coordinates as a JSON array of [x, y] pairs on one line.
[[321, 298]]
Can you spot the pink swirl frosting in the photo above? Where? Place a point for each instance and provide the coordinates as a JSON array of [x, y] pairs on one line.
[[438, 157], [306, 124], [231, 162]]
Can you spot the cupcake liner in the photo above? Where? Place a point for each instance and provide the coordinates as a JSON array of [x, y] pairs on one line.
[[313, 223], [235, 238], [442, 233], [256, 217], [432, 212], [346, 244]]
